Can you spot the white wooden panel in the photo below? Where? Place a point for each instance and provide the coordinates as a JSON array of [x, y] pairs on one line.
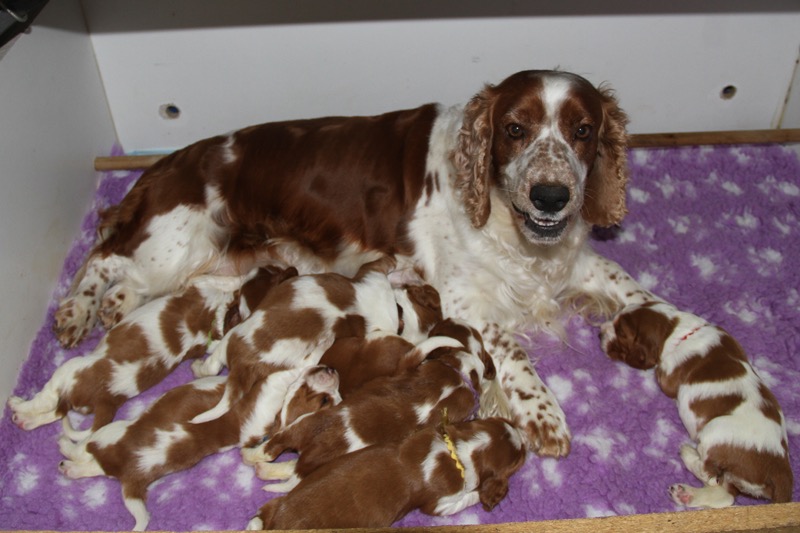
[[668, 68], [53, 122]]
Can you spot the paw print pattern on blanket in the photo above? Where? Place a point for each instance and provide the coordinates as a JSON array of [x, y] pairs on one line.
[[712, 230]]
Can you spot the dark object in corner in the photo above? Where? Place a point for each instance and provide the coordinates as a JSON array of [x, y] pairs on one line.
[[16, 16]]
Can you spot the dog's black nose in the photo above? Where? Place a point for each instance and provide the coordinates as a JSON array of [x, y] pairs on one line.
[[549, 198]]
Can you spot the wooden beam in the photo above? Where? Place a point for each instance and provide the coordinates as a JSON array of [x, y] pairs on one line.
[[636, 140], [766, 518], [698, 138]]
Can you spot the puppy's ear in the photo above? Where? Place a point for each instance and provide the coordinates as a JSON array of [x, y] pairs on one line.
[[232, 317], [491, 491], [473, 157], [604, 195], [288, 273], [489, 370]]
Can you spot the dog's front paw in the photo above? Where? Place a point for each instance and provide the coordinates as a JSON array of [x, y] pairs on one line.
[[550, 435], [275, 471], [538, 413], [73, 321], [253, 455], [607, 334], [255, 524]]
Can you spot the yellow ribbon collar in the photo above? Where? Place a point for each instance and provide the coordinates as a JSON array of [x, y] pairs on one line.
[[452, 448]]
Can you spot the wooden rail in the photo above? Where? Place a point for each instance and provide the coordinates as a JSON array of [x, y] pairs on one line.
[[640, 140]]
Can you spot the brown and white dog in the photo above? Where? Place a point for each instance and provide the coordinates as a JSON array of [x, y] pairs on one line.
[[499, 193], [301, 318], [438, 470], [382, 410], [358, 360], [727, 409], [162, 441], [143, 349]]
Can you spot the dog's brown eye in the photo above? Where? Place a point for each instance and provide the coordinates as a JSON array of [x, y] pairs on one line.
[[584, 132], [515, 131], [325, 400]]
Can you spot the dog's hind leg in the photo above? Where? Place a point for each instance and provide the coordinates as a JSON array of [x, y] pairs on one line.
[[715, 497], [134, 496], [74, 470], [77, 313]]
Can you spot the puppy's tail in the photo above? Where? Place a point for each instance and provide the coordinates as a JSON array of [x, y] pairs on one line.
[[222, 407], [418, 353]]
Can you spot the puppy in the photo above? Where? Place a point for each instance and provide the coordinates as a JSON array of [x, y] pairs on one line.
[[440, 471], [728, 411], [358, 360], [296, 322], [142, 350], [162, 441], [383, 410]]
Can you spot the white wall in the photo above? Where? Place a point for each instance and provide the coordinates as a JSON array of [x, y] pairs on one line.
[[53, 121], [230, 64]]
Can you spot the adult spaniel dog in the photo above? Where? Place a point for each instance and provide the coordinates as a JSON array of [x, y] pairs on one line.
[[490, 202]]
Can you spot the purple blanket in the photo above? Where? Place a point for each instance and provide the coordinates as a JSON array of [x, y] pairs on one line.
[[715, 231]]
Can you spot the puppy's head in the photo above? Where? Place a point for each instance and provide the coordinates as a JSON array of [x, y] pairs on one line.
[[317, 388], [419, 307], [472, 358], [637, 336], [496, 450], [253, 291]]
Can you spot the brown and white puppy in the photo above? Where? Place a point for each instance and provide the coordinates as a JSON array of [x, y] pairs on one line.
[[438, 470], [727, 409], [298, 321], [358, 360], [162, 441], [142, 350], [383, 410]]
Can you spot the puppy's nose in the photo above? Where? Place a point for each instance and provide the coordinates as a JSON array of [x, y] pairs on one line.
[[549, 198]]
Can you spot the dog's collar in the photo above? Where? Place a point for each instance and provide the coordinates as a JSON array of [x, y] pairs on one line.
[[690, 333], [451, 447]]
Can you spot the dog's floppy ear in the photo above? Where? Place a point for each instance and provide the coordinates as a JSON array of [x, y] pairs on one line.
[[491, 491], [473, 157], [604, 203]]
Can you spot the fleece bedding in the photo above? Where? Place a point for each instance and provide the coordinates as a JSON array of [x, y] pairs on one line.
[[714, 230]]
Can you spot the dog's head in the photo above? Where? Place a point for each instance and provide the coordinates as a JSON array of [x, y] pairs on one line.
[[419, 308], [552, 146], [472, 360], [317, 388], [495, 448], [637, 335]]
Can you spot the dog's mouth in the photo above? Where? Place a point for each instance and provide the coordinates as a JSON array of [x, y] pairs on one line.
[[544, 229]]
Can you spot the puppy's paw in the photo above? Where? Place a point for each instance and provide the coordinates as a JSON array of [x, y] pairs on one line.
[[681, 494]]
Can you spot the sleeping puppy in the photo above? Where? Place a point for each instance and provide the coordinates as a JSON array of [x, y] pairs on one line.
[[387, 409], [358, 360], [143, 349], [298, 321], [728, 411], [438, 470], [162, 441]]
